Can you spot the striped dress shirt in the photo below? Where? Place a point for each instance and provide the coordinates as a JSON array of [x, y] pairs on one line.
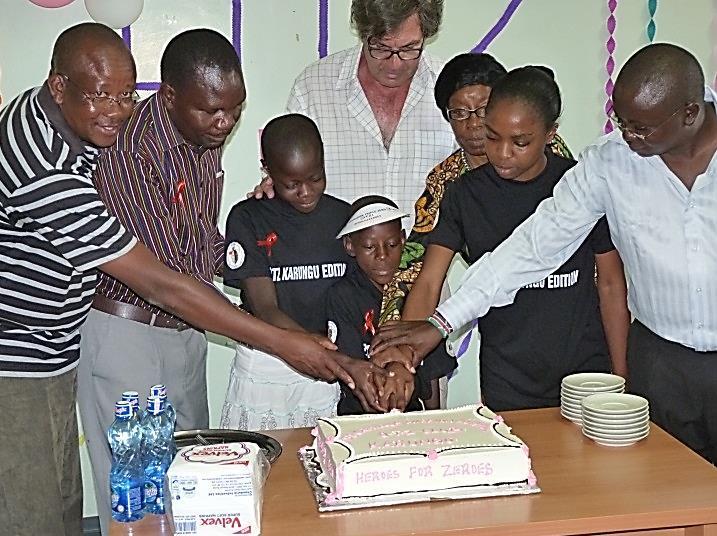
[[167, 192], [54, 233], [357, 163], [665, 234]]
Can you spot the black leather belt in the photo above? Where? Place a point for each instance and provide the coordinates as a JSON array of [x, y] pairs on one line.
[[132, 312]]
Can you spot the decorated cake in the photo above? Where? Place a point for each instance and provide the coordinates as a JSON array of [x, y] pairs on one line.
[[396, 453]]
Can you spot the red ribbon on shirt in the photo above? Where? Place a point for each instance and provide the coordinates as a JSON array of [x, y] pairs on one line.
[[368, 322], [268, 242], [177, 198]]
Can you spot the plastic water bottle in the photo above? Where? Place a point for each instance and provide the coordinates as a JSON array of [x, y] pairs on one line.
[[161, 391], [138, 416], [159, 445], [127, 474]]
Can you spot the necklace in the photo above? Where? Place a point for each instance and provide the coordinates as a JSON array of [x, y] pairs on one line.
[[464, 161]]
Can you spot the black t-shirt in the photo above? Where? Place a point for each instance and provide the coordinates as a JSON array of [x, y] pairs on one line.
[[553, 328], [299, 252], [353, 307]]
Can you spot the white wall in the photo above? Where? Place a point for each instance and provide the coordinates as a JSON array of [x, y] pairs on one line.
[[280, 38]]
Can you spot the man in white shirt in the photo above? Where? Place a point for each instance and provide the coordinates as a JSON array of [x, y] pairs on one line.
[[656, 180], [374, 104]]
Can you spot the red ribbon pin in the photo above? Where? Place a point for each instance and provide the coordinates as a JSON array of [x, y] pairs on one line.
[[177, 198], [268, 242], [368, 322]]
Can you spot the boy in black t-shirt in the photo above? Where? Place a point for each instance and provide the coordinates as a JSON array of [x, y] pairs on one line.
[[374, 238], [283, 255]]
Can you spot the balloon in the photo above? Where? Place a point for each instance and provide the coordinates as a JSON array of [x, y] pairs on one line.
[[115, 13], [51, 3]]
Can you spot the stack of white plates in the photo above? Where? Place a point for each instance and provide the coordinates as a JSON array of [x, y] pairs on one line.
[[577, 386], [615, 419]]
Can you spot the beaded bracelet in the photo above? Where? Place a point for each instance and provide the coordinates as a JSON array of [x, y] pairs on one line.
[[440, 323]]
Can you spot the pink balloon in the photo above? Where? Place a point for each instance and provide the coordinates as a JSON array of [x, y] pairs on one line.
[[51, 3]]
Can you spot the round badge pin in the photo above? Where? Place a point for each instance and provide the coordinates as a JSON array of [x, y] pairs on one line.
[[332, 331], [235, 255]]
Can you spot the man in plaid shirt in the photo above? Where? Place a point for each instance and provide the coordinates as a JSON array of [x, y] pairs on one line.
[[373, 104]]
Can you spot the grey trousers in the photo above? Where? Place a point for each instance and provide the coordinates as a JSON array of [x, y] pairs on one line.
[[119, 355], [40, 484]]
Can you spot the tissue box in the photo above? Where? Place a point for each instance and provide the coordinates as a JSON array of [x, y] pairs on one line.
[[217, 489]]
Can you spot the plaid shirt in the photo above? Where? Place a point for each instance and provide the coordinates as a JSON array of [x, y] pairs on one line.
[[357, 163], [165, 191]]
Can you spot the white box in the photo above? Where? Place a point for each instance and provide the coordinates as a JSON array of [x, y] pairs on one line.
[[217, 489]]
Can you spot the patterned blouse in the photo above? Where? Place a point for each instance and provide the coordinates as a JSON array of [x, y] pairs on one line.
[[394, 295]]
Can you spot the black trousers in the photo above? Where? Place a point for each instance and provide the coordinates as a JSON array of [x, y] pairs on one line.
[[681, 385]]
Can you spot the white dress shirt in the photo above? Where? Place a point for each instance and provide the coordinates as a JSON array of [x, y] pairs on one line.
[[665, 234], [357, 163]]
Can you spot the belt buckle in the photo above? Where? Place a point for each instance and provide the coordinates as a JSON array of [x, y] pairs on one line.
[[181, 326]]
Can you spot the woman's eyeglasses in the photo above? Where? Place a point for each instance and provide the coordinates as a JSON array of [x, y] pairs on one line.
[[461, 114]]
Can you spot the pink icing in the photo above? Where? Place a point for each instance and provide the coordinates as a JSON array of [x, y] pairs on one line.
[[330, 439], [532, 481], [331, 498], [432, 455], [339, 481], [498, 418], [315, 431], [525, 450]]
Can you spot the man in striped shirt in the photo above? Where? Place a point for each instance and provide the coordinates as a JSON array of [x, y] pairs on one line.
[[54, 235], [163, 181]]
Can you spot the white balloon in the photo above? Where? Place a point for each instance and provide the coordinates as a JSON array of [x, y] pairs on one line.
[[115, 13]]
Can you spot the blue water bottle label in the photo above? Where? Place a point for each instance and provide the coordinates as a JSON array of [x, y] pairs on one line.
[[154, 495], [127, 501], [150, 493]]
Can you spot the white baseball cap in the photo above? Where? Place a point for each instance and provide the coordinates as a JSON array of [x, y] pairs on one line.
[[369, 215]]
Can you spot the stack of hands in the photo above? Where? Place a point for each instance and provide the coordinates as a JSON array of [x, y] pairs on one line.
[[386, 382]]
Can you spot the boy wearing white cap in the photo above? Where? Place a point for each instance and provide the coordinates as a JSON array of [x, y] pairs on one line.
[[374, 238]]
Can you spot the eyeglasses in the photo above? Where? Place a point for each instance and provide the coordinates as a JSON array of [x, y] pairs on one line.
[[645, 132], [102, 100], [461, 114], [405, 54]]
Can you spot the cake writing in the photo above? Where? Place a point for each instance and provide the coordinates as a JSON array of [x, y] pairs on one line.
[[483, 468], [376, 476], [405, 443], [427, 471], [440, 432]]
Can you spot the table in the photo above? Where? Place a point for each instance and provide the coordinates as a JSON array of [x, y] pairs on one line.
[[657, 486]]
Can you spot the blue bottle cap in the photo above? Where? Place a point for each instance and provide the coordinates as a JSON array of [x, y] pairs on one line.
[[123, 409], [158, 390], [155, 405], [130, 395]]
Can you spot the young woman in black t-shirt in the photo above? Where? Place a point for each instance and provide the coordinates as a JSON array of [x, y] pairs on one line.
[[554, 327]]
